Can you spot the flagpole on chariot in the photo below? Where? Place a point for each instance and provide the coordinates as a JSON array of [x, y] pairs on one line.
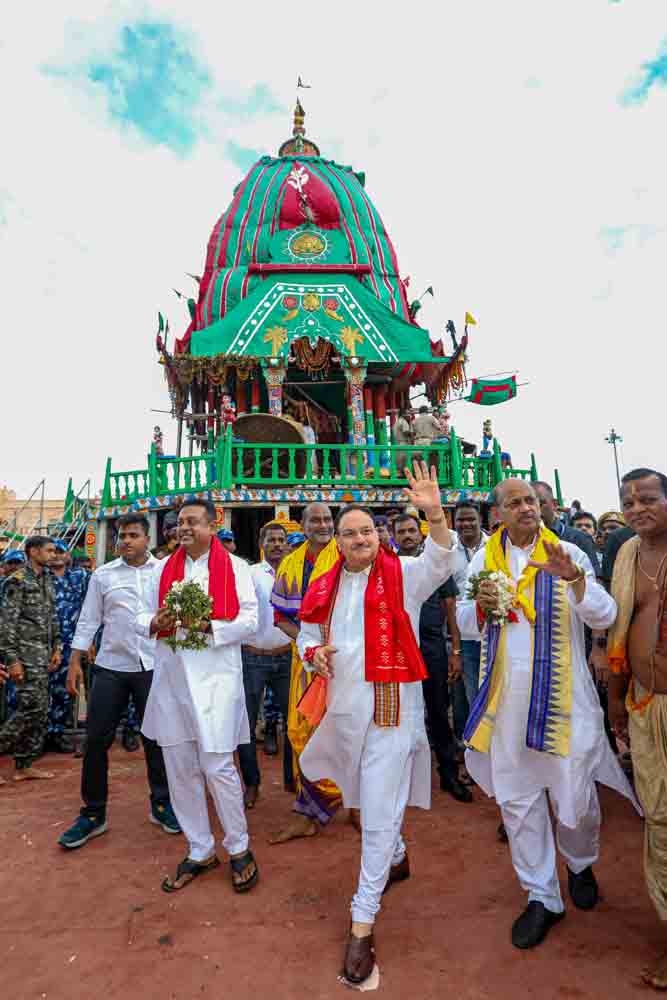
[[613, 439]]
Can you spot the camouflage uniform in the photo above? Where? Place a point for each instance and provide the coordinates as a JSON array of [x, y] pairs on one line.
[[30, 633], [70, 591]]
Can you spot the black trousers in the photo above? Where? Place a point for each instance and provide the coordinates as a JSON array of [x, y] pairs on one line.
[[258, 671], [436, 698], [109, 695]]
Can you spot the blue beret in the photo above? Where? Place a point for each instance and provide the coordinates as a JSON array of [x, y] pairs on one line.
[[296, 538], [225, 535], [61, 546], [13, 555]]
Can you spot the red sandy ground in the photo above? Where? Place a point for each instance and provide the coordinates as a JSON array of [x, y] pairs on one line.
[[93, 923]]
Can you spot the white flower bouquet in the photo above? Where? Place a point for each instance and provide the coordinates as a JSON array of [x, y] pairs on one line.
[[192, 607], [506, 594]]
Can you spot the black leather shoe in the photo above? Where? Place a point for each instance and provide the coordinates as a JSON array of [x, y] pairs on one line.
[[398, 873], [58, 743], [359, 958], [533, 925], [270, 742], [583, 889], [130, 740], [455, 789]]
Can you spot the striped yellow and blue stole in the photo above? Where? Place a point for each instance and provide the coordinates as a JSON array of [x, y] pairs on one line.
[[549, 716]]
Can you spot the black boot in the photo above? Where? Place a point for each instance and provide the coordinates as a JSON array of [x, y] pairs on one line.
[[450, 783], [270, 741], [130, 740], [533, 925], [583, 889]]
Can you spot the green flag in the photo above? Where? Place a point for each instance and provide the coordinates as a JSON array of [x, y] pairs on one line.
[[490, 391]]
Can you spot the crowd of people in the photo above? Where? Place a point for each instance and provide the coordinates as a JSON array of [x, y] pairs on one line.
[[527, 655]]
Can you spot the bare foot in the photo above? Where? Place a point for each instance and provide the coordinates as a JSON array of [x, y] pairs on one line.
[[32, 774], [301, 826], [657, 976]]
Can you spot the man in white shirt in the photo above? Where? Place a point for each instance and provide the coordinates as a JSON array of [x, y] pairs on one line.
[[359, 623], [196, 710], [123, 667], [267, 660], [536, 727]]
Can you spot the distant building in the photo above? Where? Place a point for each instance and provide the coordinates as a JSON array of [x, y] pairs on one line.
[[23, 517]]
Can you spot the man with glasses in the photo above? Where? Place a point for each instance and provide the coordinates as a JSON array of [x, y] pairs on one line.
[[359, 627]]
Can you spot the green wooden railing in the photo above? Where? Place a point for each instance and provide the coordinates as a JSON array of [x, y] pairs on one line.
[[234, 464]]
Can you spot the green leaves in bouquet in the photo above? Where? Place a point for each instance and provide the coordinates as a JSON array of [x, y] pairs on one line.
[[192, 607]]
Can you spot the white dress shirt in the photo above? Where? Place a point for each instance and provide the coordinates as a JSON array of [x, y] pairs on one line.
[[198, 695], [115, 594], [267, 636], [463, 557]]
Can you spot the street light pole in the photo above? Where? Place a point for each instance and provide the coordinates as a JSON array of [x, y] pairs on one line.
[[613, 440]]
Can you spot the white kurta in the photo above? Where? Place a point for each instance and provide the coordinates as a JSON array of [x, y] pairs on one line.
[[198, 695], [335, 749], [511, 771]]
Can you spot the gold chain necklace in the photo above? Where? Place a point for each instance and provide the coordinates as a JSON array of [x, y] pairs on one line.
[[653, 579]]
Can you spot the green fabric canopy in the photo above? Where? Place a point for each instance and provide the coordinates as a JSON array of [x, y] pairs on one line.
[[337, 308]]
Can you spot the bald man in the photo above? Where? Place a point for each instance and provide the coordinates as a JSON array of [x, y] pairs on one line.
[[536, 726], [316, 802]]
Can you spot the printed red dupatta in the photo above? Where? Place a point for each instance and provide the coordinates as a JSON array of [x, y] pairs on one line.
[[221, 580], [392, 652]]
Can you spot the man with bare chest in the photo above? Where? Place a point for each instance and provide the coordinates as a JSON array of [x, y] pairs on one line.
[[637, 649]]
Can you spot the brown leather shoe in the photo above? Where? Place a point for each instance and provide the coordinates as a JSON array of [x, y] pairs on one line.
[[251, 796], [359, 958], [398, 873]]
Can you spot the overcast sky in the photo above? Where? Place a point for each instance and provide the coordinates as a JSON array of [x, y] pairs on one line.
[[515, 151]]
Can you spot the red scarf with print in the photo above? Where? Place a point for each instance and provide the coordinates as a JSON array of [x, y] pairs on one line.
[[221, 580], [392, 652]]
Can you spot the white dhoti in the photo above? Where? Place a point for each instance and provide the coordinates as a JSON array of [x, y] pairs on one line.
[[189, 771], [379, 770], [523, 781], [196, 711], [528, 824], [384, 846]]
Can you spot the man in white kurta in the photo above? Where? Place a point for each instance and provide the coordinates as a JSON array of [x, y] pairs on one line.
[[520, 778], [379, 769], [196, 710]]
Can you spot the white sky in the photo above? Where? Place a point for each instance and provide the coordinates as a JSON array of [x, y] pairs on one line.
[[495, 147]]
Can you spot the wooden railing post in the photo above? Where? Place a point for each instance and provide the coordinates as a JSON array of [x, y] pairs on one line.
[[219, 458], [457, 464], [152, 472], [226, 479], [106, 492], [498, 472]]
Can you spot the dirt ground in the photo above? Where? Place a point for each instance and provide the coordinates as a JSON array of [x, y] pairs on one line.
[[94, 923]]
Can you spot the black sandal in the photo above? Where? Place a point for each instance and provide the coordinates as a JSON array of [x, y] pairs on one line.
[[187, 871], [238, 866]]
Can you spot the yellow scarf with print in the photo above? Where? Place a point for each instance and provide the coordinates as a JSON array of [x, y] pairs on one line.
[[544, 602]]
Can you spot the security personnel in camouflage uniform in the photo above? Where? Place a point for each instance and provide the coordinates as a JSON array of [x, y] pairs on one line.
[[10, 561], [70, 586], [30, 642]]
